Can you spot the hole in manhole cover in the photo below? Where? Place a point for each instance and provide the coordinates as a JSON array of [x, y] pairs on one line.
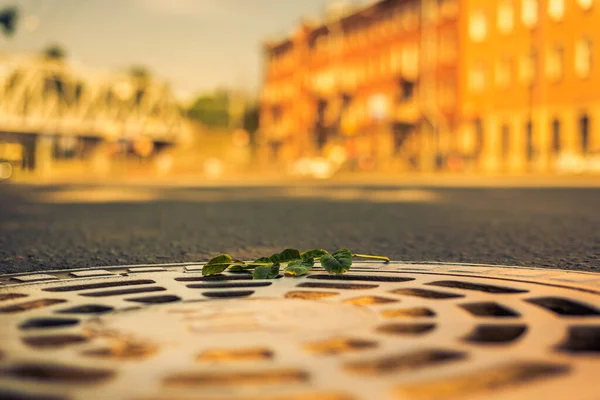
[[378, 332]]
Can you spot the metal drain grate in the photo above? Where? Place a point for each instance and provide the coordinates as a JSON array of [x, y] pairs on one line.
[[395, 331]]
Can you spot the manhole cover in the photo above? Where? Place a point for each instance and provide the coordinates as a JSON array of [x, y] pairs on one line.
[[395, 331]]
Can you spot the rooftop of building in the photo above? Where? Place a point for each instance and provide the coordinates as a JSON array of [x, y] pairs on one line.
[[335, 12]]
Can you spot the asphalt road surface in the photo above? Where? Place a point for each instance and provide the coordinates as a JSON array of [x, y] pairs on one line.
[[74, 226]]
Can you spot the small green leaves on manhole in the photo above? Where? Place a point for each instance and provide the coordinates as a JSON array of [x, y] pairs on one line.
[[299, 267], [337, 263], [313, 254], [265, 272], [286, 256], [217, 265], [296, 263]]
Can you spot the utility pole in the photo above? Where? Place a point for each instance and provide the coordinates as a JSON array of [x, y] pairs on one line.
[[427, 95]]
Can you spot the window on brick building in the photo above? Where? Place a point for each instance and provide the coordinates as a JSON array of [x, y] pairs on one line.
[[583, 57], [529, 13], [503, 72], [556, 9], [585, 4], [477, 77], [529, 148], [407, 90], [555, 63], [477, 26], [410, 61], [506, 16], [528, 67], [584, 132]]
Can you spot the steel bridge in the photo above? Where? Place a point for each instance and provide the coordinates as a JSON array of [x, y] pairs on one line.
[[48, 101]]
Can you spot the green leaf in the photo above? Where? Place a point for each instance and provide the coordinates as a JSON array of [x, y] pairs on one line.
[[337, 263], [217, 265], [286, 256], [299, 267], [239, 268], [316, 253], [242, 266], [264, 272]]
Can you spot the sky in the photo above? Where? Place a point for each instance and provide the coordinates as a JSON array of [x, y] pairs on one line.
[[196, 45]]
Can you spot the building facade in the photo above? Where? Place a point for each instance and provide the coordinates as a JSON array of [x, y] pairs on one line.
[[506, 85], [531, 83]]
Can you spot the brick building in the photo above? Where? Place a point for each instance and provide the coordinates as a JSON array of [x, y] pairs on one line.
[[506, 85], [531, 82]]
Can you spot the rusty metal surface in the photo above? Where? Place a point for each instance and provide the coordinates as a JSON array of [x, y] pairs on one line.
[[395, 331]]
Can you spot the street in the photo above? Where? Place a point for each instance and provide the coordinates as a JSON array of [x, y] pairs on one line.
[[75, 226]]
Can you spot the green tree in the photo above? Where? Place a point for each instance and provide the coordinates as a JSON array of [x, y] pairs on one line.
[[211, 109], [8, 20]]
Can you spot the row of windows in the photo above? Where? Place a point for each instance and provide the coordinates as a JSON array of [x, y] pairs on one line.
[[556, 142], [403, 60], [478, 25], [527, 66], [406, 18]]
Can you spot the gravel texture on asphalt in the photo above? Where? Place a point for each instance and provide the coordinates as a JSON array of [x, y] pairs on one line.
[[74, 226]]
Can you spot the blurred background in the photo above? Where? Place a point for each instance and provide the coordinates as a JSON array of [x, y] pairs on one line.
[[177, 90]]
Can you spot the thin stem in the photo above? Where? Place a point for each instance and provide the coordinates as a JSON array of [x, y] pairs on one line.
[[258, 264], [382, 258]]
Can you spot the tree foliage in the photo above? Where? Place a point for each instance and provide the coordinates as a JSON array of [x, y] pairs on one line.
[[251, 119], [8, 20], [211, 109]]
